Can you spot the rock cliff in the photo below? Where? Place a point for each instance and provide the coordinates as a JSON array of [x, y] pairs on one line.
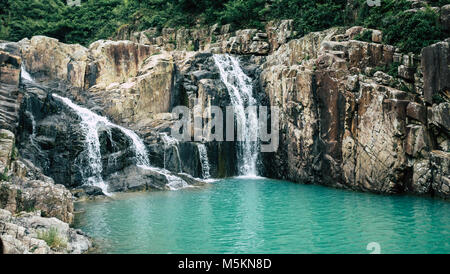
[[358, 115]]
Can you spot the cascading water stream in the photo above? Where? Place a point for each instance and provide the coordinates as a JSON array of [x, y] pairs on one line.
[[171, 142], [240, 89], [204, 160], [90, 124]]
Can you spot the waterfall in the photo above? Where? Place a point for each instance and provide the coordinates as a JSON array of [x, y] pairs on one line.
[[240, 89], [171, 142], [204, 160], [90, 123], [24, 74]]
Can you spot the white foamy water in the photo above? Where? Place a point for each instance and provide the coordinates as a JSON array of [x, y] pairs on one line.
[[204, 160], [240, 89], [171, 142], [24, 74], [90, 124]]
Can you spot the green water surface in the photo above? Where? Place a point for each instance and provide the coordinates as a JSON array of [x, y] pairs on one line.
[[266, 216]]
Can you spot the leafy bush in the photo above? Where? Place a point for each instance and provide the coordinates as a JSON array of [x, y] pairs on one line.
[[413, 31]]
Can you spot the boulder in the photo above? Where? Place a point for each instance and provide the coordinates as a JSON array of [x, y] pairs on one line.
[[417, 112], [52, 200]]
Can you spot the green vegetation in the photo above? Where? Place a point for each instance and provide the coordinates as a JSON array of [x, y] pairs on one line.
[[101, 19], [4, 176], [437, 99], [52, 238], [410, 31], [391, 69], [4, 190], [366, 36]]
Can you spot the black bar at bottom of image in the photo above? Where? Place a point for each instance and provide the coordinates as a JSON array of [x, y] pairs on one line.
[[264, 263]]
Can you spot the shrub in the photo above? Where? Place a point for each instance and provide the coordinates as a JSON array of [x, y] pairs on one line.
[[52, 238]]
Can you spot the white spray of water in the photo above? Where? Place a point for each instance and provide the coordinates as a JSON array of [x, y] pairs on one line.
[[240, 89]]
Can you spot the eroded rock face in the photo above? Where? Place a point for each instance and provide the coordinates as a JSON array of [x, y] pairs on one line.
[[115, 62], [52, 200], [142, 97], [445, 18], [436, 71], [279, 33], [345, 127], [344, 121], [48, 59]]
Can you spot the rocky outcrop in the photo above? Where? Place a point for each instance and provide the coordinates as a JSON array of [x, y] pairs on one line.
[[29, 233], [215, 39], [347, 125], [52, 200], [48, 59], [142, 97], [279, 32], [115, 62]]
